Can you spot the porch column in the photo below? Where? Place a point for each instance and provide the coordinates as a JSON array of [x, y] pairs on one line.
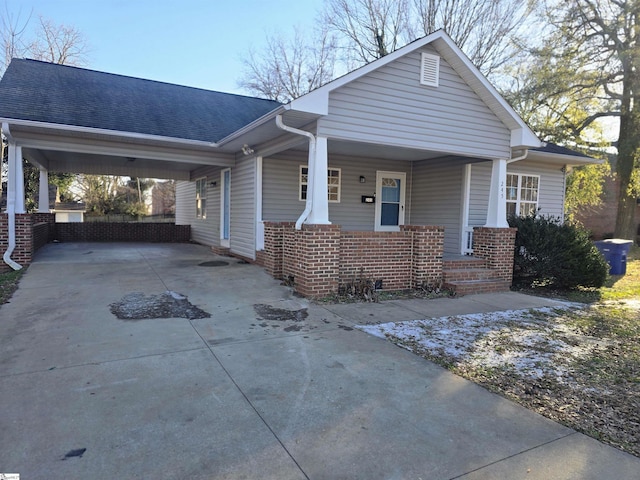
[[497, 208], [15, 178], [43, 192], [319, 214]]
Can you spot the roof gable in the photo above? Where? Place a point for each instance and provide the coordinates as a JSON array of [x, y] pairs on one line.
[[50, 93], [317, 101]]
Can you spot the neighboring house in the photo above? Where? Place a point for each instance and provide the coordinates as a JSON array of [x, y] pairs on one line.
[[392, 172]]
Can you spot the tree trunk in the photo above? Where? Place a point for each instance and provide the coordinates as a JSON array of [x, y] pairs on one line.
[[628, 150]]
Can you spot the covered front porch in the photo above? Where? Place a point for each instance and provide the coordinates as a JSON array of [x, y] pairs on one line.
[[400, 218]]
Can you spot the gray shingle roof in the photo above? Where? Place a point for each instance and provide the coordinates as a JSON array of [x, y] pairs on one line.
[[47, 92], [557, 149]]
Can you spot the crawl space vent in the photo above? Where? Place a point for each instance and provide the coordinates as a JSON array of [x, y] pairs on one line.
[[429, 70]]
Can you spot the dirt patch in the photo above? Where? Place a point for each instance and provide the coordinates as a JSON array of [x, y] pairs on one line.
[[269, 313], [214, 263], [136, 306]]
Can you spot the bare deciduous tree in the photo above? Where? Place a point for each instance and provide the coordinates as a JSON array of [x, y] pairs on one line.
[[487, 31], [61, 44], [364, 30], [369, 29], [287, 69], [51, 42]]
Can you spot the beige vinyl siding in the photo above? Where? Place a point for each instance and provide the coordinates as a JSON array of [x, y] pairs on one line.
[[550, 195], [185, 202], [437, 198], [243, 204], [389, 106], [280, 189]]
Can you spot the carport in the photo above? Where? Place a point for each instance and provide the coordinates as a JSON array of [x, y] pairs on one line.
[[70, 120]]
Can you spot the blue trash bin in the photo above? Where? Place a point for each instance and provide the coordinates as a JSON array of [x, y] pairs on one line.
[[615, 253]]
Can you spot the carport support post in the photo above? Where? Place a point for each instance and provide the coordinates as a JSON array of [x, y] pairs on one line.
[[497, 208], [43, 192], [15, 178]]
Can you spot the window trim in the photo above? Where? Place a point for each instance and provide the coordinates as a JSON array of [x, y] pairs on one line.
[[201, 212], [329, 169], [518, 202]]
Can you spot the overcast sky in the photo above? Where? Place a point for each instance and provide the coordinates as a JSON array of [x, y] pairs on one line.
[[198, 43]]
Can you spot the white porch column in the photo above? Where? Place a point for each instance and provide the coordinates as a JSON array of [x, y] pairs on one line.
[[43, 192], [15, 178], [320, 202], [497, 209]]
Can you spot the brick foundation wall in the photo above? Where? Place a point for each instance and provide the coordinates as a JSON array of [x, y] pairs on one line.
[[33, 230], [122, 232], [384, 256], [496, 246], [321, 257]]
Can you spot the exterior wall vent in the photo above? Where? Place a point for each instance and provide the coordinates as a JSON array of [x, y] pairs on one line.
[[429, 70]]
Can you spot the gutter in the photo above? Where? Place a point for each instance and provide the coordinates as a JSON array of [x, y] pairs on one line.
[[111, 133], [310, 167], [11, 205]]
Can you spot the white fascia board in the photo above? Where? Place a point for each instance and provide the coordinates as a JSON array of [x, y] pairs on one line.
[[524, 138], [256, 123], [111, 133], [315, 102]]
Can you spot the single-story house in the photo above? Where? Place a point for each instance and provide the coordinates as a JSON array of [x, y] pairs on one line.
[[402, 171]]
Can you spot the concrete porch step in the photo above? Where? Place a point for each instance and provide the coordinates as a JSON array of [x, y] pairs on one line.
[[467, 287]]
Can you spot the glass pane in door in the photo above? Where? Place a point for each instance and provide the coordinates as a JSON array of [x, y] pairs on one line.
[[390, 202]]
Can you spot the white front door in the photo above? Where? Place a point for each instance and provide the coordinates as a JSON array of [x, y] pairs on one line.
[[390, 193], [225, 207]]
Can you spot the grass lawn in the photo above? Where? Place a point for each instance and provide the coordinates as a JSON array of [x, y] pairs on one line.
[[8, 285]]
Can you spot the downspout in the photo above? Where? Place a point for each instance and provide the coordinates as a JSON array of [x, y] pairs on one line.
[[11, 205], [310, 167], [521, 157]]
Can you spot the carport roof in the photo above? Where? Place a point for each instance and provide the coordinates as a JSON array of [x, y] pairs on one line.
[[45, 92]]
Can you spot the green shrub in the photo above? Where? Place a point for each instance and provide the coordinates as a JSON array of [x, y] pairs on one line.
[[555, 254]]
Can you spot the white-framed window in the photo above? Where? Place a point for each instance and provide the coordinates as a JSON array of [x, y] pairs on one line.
[[201, 198], [522, 194], [333, 183]]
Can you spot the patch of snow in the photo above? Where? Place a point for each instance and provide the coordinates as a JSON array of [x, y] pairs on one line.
[[526, 341]]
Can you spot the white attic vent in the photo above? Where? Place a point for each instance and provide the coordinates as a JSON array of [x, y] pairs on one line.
[[429, 70]]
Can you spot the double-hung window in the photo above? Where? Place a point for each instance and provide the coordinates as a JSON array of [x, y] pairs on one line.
[[201, 198], [522, 194], [333, 184]]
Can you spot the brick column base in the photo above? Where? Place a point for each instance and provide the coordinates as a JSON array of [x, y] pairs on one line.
[[428, 248], [311, 256], [497, 246]]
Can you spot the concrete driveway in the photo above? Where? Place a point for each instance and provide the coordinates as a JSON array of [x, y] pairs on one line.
[[269, 386]]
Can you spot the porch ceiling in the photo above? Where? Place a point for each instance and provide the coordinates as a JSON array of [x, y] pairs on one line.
[[109, 153]]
